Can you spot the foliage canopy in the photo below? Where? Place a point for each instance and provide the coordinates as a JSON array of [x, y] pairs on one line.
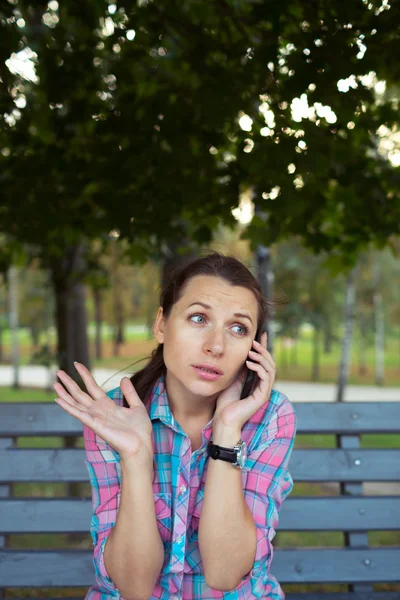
[[132, 120]]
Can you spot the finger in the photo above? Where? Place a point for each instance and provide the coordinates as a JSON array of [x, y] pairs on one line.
[[81, 415], [257, 357], [92, 387], [261, 372], [129, 392], [65, 396], [263, 351], [73, 388], [263, 390]]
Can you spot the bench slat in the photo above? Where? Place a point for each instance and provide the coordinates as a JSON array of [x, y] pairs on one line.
[[75, 568], [64, 515], [44, 418], [312, 465], [348, 417], [321, 465]]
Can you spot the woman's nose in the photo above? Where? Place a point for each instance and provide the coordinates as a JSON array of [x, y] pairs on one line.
[[214, 343]]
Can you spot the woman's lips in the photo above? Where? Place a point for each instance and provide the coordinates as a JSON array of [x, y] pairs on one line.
[[208, 373]]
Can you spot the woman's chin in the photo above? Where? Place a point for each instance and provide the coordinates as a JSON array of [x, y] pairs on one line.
[[205, 388]]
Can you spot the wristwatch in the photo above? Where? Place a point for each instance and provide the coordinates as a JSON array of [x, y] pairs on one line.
[[237, 455]]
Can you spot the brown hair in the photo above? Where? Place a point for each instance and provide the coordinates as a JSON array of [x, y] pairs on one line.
[[216, 265]]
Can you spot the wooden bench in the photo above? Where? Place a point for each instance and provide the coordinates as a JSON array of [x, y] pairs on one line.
[[356, 564]]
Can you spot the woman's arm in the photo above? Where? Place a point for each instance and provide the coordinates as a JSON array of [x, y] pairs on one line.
[[237, 522], [227, 533], [134, 551], [122, 509]]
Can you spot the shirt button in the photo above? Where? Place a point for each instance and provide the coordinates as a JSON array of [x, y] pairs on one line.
[[179, 539], [183, 489]]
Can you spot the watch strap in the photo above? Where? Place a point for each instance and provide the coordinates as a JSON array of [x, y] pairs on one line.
[[220, 453]]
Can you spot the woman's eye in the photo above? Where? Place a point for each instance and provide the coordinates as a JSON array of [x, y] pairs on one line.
[[240, 329], [197, 318]]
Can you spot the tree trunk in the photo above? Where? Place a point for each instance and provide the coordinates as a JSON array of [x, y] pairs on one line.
[[328, 337], [97, 297], [283, 354], [344, 367], [362, 366], [13, 319], [118, 308], [315, 373], [172, 260], [293, 351], [67, 272], [266, 279], [379, 339]]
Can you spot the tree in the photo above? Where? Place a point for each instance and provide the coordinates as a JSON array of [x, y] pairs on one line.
[[135, 121]]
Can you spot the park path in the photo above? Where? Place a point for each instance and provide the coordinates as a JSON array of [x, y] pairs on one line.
[[296, 391]]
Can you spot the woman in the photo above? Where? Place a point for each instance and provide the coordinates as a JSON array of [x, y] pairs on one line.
[[188, 459]]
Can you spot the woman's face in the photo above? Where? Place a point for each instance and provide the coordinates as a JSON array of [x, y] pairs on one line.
[[207, 335]]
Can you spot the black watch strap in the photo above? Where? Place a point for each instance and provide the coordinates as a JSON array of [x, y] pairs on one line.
[[220, 453]]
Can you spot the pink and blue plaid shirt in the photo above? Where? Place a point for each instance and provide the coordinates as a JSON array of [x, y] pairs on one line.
[[178, 486]]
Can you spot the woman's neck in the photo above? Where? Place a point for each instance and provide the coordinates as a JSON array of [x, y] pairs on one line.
[[187, 407]]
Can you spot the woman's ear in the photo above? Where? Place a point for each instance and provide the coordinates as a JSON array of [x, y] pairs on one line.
[[158, 328]]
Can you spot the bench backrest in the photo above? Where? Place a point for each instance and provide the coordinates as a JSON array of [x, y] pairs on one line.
[[347, 464]]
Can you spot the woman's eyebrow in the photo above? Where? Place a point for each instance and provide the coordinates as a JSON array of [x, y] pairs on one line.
[[201, 304], [207, 306], [244, 316]]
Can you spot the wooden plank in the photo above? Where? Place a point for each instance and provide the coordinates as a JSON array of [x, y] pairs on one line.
[[346, 565], [348, 417], [345, 465], [65, 515], [44, 419], [45, 515], [340, 514], [43, 465], [306, 465], [74, 568], [37, 419]]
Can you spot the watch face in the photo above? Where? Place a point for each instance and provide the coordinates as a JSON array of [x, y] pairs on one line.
[[242, 454]]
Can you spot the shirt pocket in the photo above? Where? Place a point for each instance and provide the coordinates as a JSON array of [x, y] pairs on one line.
[[162, 503]]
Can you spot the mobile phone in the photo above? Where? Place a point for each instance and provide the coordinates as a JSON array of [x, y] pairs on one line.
[[251, 381]]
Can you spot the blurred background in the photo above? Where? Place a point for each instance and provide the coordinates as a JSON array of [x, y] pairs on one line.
[[133, 133]]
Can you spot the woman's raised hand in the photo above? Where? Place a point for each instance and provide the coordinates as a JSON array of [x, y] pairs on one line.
[[127, 430]]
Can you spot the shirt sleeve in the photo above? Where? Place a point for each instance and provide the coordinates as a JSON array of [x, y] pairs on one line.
[[104, 468], [268, 481]]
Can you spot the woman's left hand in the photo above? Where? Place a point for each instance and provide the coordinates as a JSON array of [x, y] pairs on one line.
[[232, 412]]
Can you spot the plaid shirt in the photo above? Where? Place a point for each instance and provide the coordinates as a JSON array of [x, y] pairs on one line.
[[178, 488]]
